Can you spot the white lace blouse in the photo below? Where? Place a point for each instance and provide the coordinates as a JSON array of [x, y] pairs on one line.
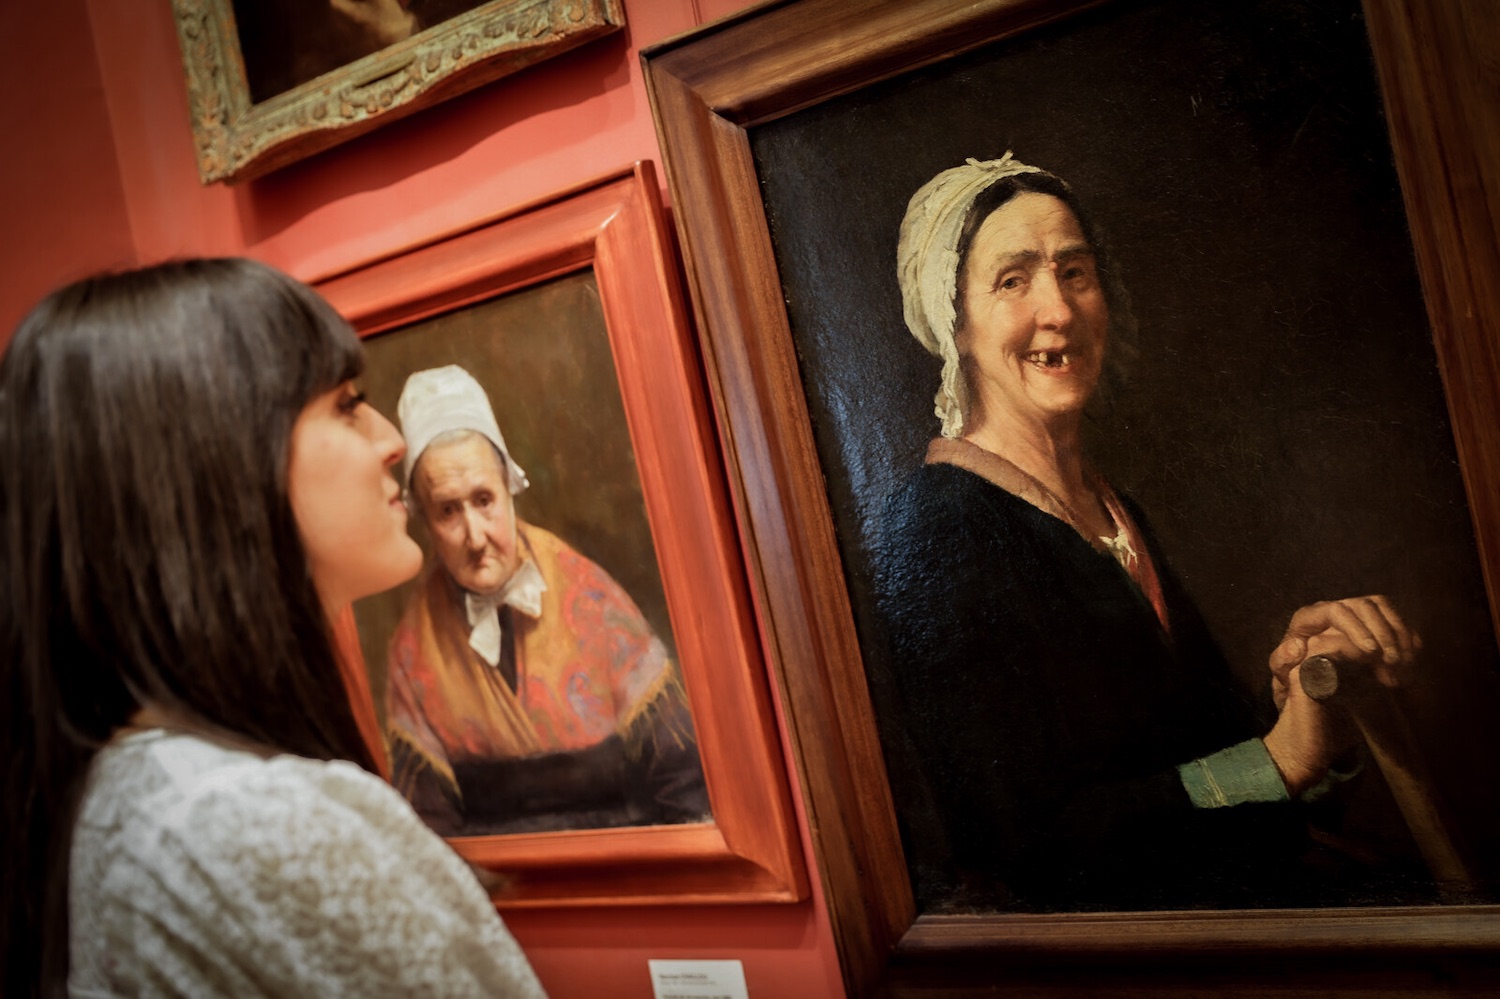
[[199, 870]]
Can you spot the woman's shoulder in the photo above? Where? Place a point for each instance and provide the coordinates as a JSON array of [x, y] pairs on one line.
[[946, 530], [239, 813], [170, 778], [946, 499], [305, 863], [157, 799]]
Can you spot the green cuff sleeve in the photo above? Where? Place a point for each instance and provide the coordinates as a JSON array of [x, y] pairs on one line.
[[1238, 775]]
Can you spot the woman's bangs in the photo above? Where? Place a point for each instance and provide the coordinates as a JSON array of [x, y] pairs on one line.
[[333, 353]]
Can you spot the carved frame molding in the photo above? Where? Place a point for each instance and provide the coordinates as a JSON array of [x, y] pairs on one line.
[[236, 140]]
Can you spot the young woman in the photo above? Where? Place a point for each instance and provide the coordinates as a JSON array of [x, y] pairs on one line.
[[194, 489]]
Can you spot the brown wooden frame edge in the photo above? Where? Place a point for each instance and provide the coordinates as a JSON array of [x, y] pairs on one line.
[[707, 90]]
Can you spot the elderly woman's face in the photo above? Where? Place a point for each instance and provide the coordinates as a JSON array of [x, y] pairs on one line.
[[1035, 320], [461, 488]]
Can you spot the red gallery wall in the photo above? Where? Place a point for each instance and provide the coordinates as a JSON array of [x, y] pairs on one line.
[[100, 172], [62, 205]]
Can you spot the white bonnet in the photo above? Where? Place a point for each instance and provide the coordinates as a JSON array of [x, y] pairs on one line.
[[927, 268], [438, 400]]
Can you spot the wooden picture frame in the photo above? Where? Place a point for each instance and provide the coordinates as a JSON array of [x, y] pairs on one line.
[[749, 852], [238, 137], [711, 90]]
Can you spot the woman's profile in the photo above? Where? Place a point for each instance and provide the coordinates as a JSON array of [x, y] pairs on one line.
[[1073, 718], [197, 490]]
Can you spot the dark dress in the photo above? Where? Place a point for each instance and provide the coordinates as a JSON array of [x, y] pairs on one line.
[[1047, 709]]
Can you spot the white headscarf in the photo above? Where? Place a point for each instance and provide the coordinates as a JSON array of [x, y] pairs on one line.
[[927, 267], [438, 400]]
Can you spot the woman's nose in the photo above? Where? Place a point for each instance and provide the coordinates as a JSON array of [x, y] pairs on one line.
[[474, 533], [387, 438], [1052, 306]]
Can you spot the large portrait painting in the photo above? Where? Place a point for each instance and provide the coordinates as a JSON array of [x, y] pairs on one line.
[[1103, 385], [569, 690], [1279, 424]]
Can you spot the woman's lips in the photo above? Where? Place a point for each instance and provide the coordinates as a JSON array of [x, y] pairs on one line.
[[1055, 360]]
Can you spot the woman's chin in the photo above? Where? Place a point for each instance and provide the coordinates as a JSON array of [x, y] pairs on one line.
[[400, 565], [1061, 405], [414, 560], [1066, 397]]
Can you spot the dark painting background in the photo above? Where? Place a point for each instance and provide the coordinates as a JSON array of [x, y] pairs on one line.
[[543, 356], [1284, 427], [286, 43]]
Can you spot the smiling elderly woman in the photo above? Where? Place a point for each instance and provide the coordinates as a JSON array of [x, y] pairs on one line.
[[1083, 743]]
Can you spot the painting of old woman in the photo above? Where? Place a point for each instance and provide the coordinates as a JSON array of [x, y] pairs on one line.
[[1073, 719]]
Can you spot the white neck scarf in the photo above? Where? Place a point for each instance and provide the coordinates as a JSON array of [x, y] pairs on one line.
[[523, 592]]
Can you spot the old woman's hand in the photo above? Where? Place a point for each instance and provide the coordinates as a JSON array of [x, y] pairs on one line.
[[1365, 631], [1361, 631]]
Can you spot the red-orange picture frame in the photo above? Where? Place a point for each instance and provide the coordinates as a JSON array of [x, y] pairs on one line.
[[749, 852]]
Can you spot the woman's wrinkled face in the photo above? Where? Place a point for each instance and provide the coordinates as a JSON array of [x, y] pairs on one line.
[[346, 502], [461, 487], [1034, 321]]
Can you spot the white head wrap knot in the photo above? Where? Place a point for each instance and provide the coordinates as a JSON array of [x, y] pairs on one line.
[[927, 267], [438, 400]]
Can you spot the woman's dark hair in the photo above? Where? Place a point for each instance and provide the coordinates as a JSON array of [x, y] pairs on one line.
[[149, 550]]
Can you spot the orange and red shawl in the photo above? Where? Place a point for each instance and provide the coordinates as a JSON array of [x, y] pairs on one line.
[[586, 667]]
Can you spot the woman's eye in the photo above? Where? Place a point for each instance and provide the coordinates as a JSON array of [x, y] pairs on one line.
[[1079, 273], [352, 401]]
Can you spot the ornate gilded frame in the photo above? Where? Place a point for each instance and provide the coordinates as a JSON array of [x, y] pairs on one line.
[[237, 140]]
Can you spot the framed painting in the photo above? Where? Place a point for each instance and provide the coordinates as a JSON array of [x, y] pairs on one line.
[[617, 744], [1306, 256], [272, 82]]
